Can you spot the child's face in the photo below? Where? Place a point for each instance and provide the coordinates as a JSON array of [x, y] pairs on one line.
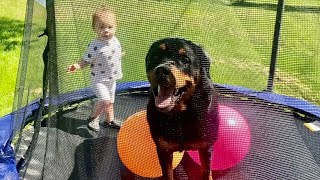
[[105, 28]]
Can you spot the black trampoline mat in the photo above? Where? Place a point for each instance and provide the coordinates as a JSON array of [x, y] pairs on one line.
[[281, 147]]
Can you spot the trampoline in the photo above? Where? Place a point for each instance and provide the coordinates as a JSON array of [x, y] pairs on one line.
[[287, 151], [46, 136]]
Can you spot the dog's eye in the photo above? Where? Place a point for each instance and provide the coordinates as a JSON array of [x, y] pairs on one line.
[[186, 60]]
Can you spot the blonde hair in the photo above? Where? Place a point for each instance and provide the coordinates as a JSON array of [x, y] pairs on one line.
[[104, 14]]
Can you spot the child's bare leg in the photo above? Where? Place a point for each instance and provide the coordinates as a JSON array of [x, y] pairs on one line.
[[109, 111], [97, 110]]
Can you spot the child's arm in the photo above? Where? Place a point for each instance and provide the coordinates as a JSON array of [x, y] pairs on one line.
[[74, 67]]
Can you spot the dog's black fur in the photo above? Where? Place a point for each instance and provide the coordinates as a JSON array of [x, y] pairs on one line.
[[182, 109]]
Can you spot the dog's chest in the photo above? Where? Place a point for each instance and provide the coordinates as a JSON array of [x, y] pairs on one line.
[[184, 126]]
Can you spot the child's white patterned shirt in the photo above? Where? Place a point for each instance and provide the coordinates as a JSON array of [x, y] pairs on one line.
[[104, 58]]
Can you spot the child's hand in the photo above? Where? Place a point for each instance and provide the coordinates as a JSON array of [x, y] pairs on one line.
[[73, 68]]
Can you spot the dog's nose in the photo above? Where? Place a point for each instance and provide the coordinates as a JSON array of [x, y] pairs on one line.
[[162, 72]]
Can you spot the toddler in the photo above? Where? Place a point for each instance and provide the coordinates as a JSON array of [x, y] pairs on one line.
[[104, 57]]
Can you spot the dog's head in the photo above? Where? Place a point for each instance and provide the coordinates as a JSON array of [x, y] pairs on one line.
[[175, 67]]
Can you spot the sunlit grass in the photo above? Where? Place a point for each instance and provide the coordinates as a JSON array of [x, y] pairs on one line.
[[12, 14]]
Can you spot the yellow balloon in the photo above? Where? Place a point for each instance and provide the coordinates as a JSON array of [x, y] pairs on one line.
[[137, 150]]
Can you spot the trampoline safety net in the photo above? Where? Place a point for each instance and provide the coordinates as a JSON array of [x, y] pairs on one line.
[[245, 39]]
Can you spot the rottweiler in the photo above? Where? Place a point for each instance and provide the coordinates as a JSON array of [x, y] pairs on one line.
[[182, 109]]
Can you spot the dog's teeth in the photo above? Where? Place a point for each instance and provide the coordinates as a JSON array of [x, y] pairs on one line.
[[158, 88]]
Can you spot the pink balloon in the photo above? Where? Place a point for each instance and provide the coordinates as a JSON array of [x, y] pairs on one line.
[[233, 143]]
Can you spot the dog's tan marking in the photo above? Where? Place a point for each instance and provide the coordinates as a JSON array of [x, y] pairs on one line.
[[182, 51], [181, 78], [163, 46], [174, 146], [168, 146]]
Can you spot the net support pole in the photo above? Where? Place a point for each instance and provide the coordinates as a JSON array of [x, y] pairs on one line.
[[275, 45]]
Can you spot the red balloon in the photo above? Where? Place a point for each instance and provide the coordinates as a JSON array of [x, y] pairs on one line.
[[233, 143]]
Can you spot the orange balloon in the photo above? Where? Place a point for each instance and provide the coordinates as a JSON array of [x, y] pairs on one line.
[[137, 149]]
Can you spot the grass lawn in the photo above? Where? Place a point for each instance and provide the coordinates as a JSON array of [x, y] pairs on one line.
[[237, 37], [12, 14]]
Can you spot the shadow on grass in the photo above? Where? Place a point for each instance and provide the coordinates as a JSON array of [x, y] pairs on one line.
[[10, 31], [270, 6]]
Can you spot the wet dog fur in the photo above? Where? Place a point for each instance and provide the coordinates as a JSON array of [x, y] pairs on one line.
[[182, 109]]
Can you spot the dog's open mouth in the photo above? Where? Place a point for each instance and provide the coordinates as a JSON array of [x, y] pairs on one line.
[[166, 97]]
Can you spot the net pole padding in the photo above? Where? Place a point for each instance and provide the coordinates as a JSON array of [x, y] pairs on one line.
[[275, 45]]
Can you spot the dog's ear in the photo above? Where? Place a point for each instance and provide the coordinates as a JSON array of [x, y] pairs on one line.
[[205, 79], [205, 62]]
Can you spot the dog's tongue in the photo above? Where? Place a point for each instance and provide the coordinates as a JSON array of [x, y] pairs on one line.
[[164, 98]]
